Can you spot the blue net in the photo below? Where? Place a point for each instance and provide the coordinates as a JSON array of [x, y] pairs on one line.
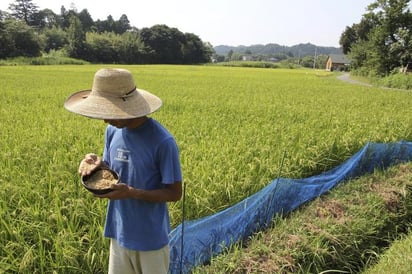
[[209, 236]]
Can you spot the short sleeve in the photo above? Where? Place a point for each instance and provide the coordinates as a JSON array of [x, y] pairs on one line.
[[169, 162]]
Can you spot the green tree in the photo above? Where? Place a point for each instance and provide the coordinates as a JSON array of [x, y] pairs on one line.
[[307, 61], [402, 48], [195, 51], [107, 25], [6, 40], [3, 15], [110, 24], [76, 38], [355, 33], [45, 18], [391, 17], [379, 43], [164, 44], [321, 60], [24, 10], [65, 17], [56, 39], [86, 20], [347, 38], [131, 48], [122, 25], [18, 39], [229, 55], [103, 47], [358, 54]]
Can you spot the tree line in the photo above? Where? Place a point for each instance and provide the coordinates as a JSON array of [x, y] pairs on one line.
[[381, 43], [27, 31]]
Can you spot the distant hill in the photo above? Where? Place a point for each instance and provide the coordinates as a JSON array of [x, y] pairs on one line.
[[295, 51]]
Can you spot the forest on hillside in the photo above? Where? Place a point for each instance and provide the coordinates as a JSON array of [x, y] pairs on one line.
[[276, 49]]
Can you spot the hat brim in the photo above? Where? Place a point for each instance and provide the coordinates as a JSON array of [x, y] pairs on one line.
[[92, 105]]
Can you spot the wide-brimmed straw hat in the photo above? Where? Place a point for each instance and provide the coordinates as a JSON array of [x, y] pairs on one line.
[[113, 96]]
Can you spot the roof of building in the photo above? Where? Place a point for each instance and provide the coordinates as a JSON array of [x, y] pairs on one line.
[[339, 58]]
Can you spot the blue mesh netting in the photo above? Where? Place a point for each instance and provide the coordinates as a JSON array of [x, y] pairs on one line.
[[209, 236]]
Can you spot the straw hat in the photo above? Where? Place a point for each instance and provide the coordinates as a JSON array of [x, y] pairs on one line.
[[113, 96]]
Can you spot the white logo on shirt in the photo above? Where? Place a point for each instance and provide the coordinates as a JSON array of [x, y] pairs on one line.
[[122, 155]]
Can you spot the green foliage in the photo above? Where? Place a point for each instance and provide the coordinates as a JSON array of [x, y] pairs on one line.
[[102, 47], [83, 38], [56, 39], [307, 61], [401, 48], [86, 20], [397, 80], [232, 126], [24, 10], [75, 37], [381, 42], [6, 41], [52, 58], [347, 38], [18, 39], [165, 45]]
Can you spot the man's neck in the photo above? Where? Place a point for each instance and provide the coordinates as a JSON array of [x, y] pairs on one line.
[[137, 122]]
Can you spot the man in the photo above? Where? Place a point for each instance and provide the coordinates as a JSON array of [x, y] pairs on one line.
[[146, 157]]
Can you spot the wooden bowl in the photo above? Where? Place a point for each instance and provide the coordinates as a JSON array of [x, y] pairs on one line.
[[100, 180]]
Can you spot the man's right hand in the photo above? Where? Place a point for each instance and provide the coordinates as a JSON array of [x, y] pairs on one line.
[[89, 163]]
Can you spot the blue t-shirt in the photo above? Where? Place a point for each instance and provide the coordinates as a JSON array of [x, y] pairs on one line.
[[147, 158]]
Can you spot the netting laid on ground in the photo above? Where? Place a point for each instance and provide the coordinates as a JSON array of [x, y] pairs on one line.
[[206, 237]]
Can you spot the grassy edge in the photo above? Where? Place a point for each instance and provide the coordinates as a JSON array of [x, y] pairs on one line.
[[343, 231]]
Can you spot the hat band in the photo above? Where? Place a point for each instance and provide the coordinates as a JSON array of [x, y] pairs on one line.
[[124, 97]]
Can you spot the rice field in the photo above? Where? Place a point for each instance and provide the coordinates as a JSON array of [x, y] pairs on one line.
[[232, 125]]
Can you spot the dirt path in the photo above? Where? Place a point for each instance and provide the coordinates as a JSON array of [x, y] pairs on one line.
[[346, 78]]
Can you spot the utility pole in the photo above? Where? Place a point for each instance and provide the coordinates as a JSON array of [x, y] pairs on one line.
[[314, 58]]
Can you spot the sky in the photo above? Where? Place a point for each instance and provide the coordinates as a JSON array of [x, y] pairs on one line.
[[231, 22]]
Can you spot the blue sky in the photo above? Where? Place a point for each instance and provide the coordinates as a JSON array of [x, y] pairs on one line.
[[232, 22]]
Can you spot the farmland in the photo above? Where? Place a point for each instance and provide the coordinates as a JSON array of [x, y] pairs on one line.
[[232, 126]]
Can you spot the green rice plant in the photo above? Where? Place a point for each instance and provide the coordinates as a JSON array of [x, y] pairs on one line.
[[396, 259], [232, 126]]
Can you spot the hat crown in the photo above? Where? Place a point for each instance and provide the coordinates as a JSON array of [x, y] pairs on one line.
[[113, 81], [113, 96]]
